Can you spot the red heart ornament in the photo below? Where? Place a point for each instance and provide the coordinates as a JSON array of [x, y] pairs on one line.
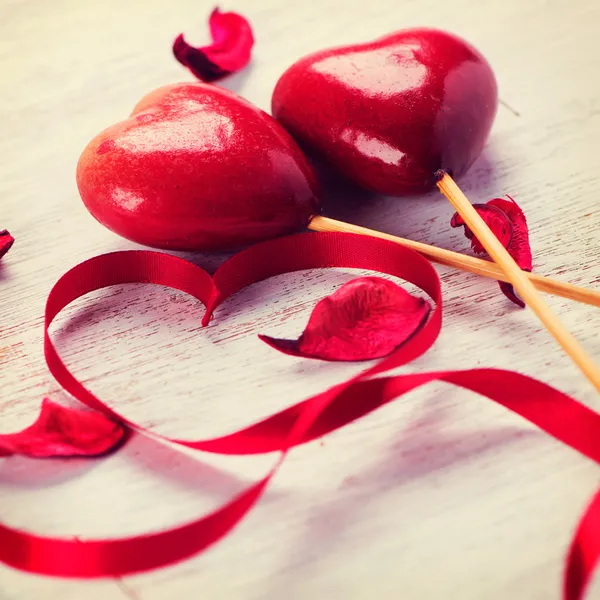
[[390, 113], [196, 167]]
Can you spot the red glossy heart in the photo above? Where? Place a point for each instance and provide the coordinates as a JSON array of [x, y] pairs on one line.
[[390, 113], [196, 167]]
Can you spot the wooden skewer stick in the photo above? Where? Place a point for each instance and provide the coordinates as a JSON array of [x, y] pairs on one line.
[[463, 262], [518, 278]]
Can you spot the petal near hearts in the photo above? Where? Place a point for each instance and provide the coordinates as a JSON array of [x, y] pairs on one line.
[[6, 241], [229, 52], [367, 318], [506, 219], [61, 431]]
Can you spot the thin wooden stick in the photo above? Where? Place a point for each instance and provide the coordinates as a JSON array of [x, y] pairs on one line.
[[463, 262], [518, 278]]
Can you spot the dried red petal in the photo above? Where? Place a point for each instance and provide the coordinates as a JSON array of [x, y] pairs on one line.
[[229, 52], [6, 241], [495, 218], [506, 219], [367, 318], [62, 431]]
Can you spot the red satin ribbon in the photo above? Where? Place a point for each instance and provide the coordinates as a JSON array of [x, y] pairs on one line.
[[552, 411], [584, 552]]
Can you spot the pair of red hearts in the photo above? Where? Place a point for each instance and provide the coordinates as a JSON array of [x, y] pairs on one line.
[[195, 167]]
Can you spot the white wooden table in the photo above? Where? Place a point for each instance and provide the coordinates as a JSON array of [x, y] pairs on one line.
[[439, 495]]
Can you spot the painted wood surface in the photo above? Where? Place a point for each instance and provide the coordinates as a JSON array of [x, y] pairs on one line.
[[439, 495]]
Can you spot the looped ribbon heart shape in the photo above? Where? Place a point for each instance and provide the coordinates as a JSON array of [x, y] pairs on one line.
[[549, 409]]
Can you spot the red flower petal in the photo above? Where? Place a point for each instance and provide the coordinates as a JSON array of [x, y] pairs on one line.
[[6, 241], [61, 431], [229, 52], [366, 318], [506, 219]]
